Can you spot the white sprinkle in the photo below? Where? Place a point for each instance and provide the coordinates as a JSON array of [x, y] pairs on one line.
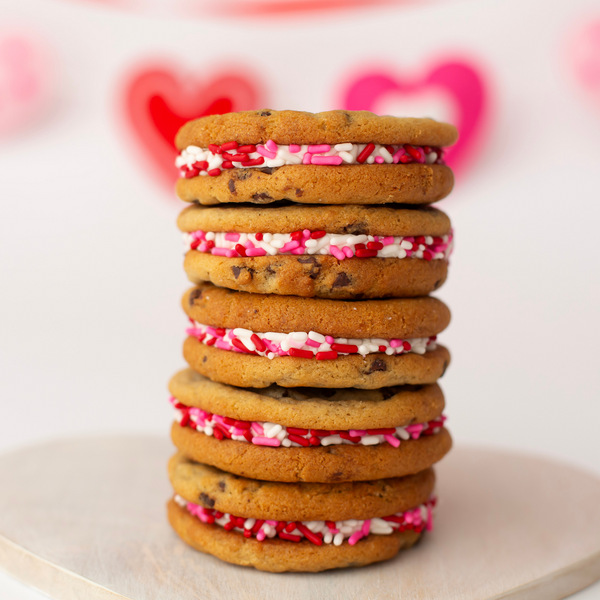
[[193, 149], [343, 147], [273, 431], [277, 244], [240, 332], [286, 443], [311, 243], [328, 537], [406, 245], [385, 154], [267, 237], [331, 439], [299, 336], [370, 160], [347, 157], [249, 523], [316, 337], [370, 440], [338, 539], [210, 236]]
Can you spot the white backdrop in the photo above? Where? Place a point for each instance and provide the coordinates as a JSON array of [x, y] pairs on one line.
[[91, 261]]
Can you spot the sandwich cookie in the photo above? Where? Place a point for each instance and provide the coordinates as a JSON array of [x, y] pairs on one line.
[[325, 251], [336, 157], [255, 340], [297, 527], [304, 434]]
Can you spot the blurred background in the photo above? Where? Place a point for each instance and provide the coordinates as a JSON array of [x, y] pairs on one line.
[[93, 91]]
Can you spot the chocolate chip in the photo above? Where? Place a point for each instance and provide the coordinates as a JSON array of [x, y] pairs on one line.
[[222, 485], [360, 228], [204, 359], [206, 500], [270, 271], [444, 369], [437, 284], [236, 271], [267, 170], [265, 113], [231, 185], [336, 476], [386, 393], [377, 365], [315, 268], [348, 116], [261, 196], [299, 192], [243, 174], [342, 280], [194, 295]]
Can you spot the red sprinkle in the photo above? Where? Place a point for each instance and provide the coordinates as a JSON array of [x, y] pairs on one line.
[[185, 419], [229, 146], [420, 239], [427, 149], [296, 235], [315, 235], [229, 421], [211, 342], [260, 345], [427, 255], [406, 158], [218, 514], [239, 345], [214, 172], [259, 237], [326, 355], [299, 440], [384, 431], [248, 437], [382, 348], [229, 526], [259, 523], [281, 526], [289, 527], [330, 524], [236, 157], [219, 331], [247, 149], [210, 244], [257, 161], [412, 151], [289, 537], [218, 433], [366, 253], [297, 430], [390, 149], [352, 438], [300, 353], [365, 153], [191, 173], [346, 348], [240, 249], [247, 533], [407, 347], [374, 245], [314, 441], [308, 534], [360, 246], [195, 244], [320, 432], [201, 165], [214, 149], [227, 164]]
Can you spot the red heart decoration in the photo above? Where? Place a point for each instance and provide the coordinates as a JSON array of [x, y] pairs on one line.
[[456, 80], [158, 103]]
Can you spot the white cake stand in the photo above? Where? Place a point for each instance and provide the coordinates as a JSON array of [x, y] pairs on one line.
[[85, 518]]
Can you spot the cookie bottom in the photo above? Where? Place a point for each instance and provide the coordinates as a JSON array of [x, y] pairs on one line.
[[278, 556], [371, 372], [320, 276], [325, 464], [319, 184]]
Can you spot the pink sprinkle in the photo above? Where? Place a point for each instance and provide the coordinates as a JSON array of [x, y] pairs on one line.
[[335, 251], [231, 253], [366, 527], [395, 343], [348, 251], [238, 431], [290, 246], [306, 234], [272, 523], [270, 345], [248, 245], [355, 537], [388, 240], [429, 517], [379, 160], [272, 146], [265, 441], [260, 536], [223, 345], [398, 155], [421, 158], [357, 432], [203, 247], [319, 148], [312, 343], [327, 160], [194, 331], [390, 439], [264, 152], [211, 331], [219, 251], [197, 412], [258, 427], [255, 252], [306, 158], [415, 430], [294, 148], [232, 236], [329, 339], [298, 250]]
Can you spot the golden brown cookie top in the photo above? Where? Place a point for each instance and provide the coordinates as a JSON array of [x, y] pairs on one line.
[[212, 488], [297, 127], [395, 220], [260, 313], [312, 408]]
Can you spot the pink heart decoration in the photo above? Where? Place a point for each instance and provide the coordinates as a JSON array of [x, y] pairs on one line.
[[457, 82], [26, 80], [585, 58], [158, 102]]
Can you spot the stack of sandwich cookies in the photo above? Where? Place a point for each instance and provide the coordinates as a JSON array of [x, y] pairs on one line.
[[310, 416]]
